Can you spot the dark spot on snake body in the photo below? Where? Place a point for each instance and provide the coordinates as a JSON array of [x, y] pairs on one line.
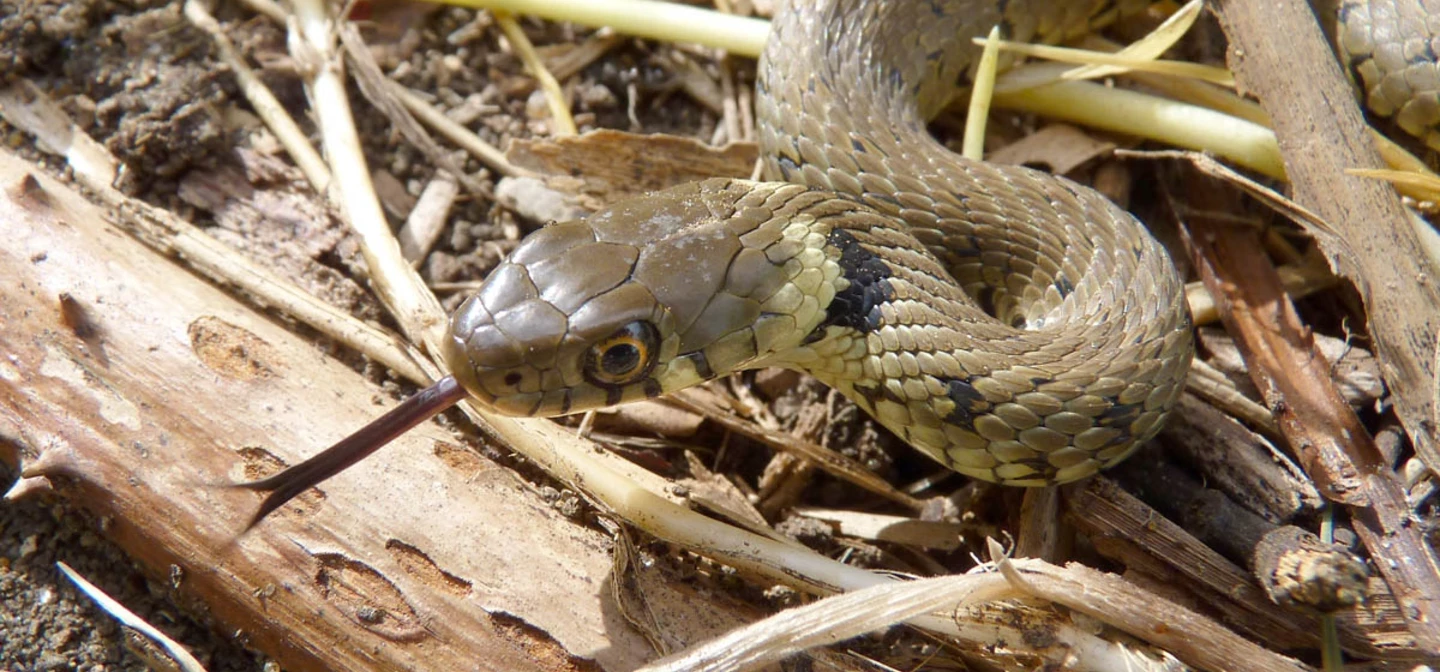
[[968, 401], [652, 388], [565, 402], [859, 147], [612, 395], [985, 298], [1119, 416], [701, 364], [513, 378], [1354, 66], [867, 397], [786, 165], [888, 394], [1424, 58], [858, 305], [1064, 286]]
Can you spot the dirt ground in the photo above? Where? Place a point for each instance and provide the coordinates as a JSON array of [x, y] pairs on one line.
[[47, 624]]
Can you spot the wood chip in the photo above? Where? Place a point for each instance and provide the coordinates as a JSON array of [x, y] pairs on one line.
[[1057, 148], [614, 164]]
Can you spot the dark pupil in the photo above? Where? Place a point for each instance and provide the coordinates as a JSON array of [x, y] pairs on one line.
[[620, 359]]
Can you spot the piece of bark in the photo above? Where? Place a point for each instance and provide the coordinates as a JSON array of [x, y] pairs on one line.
[[427, 556], [1042, 534], [611, 165], [1238, 462], [1279, 54], [722, 497], [427, 217], [787, 475], [245, 193], [1181, 496], [1056, 148]]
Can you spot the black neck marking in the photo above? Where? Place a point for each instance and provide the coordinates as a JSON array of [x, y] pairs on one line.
[[858, 305]]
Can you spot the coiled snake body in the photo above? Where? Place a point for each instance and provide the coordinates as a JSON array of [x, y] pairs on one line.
[[1015, 326]]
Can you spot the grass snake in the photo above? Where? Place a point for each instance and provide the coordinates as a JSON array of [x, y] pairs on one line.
[[1013, 325]]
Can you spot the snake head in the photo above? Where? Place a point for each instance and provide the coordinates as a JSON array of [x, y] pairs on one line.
[[649, 296]]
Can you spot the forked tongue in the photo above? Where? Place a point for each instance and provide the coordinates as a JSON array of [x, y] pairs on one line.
[[284, 486]]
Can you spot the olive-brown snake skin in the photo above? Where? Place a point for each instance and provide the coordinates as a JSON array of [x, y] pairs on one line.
[[1390, 48], [843, 267]]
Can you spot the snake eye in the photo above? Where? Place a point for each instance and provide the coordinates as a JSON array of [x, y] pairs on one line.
[[624, 356]]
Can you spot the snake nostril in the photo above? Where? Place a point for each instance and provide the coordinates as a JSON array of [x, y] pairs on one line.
[[512, 379]]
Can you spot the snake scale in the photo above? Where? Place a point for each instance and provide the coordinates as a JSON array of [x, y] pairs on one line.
[[1390, 49], [1013, 325]]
